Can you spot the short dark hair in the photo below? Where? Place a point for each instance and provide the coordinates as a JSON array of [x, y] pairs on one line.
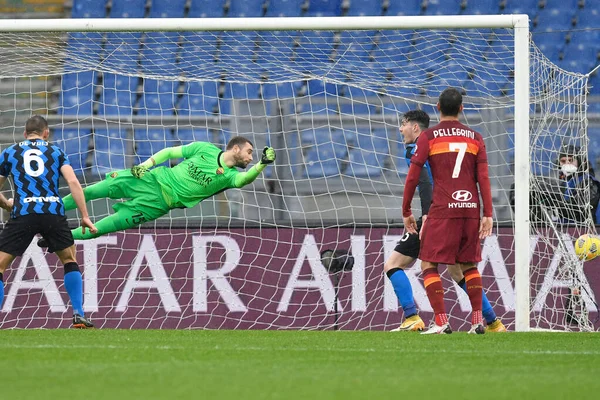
[[418, 116], [36, 124], [450, 102], [239, 141]]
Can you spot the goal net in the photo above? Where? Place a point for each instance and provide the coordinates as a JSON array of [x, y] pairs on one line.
[[329, 101]]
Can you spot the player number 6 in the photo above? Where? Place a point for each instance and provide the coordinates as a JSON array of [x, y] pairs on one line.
[[33, 156]]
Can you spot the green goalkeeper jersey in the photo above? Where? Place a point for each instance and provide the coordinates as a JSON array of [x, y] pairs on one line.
[[199, 176]]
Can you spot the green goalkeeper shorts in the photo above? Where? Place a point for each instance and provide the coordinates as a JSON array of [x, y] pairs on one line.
[[145, 194]]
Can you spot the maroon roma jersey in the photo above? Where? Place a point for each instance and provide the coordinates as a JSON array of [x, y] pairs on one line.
[[458, 161]]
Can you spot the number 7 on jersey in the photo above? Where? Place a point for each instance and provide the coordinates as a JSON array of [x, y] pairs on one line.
[[462, 149]]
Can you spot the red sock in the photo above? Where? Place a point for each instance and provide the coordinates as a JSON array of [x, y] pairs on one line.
[[475, 292], [435, 293]]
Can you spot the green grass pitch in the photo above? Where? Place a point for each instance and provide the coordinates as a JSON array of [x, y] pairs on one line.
[[150, 364]]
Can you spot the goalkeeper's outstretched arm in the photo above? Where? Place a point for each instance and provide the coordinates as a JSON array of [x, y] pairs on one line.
[[163, 155], [244, 178]]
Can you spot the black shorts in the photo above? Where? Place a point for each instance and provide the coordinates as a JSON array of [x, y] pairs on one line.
[[18, 233], [409, 245]]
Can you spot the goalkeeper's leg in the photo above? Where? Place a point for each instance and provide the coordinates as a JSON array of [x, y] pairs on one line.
[[124, 218]]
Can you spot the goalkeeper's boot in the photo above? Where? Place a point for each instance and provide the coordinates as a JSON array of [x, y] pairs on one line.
[[80, 322], [438, 330], [496, 326], [412, 323], [477, 329]]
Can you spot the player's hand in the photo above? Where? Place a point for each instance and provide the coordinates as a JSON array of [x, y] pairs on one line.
[[485, 227], [138, 171], [423, 219], [268, 155], [87, 223], [9, 204], [410, 224]]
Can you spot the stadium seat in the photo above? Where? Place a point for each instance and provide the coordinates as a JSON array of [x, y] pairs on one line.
[[84, 46], [555, 18], [149, 141], [109, 150], [199, 53], [364, 164], [406, 7], [75, 144], [275, 48], [221, 137], [319, 164], [206, 9], [158, 97], [359, 101], [159, 54], [324, 8], [355, 46], [529, 7], [122, 51], [361, 8], [199, 98], [77, 93], [88, 9], [242, 91], [482, 7], [442, 7], [167, 9], [115, 102], [588, 18], [246, 8], [566, 5], [315, 49], [594, 86], [128, 9], [284, 8], [285, 90], [579, 57], [193, 135]]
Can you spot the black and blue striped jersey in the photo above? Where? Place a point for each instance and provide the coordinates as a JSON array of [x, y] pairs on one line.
[[425, 180], [35, 168]]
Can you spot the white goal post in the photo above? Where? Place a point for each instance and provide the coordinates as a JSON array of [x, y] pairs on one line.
[[518, 24]]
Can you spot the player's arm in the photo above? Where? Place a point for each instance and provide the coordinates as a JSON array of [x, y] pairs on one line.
[[425, 192], [412, 180], [5, 203], [163, 155], [244, 178], [485, 188], [77, 192]]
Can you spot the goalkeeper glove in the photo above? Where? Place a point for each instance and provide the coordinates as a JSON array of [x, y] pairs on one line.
[[138, 171], [268, 156]]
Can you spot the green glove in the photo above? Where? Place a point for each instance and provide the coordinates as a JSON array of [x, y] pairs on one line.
[[268, 155], [138, 171]]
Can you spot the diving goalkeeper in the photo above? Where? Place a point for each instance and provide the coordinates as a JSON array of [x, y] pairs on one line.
[[152, 193]]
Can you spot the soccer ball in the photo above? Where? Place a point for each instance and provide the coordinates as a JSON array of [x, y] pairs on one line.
[[587, 247]]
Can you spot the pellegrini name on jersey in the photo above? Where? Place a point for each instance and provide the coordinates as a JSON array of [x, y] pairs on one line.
[[453, 132]]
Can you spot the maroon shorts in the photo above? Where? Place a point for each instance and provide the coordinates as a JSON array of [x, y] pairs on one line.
[[452, 240]]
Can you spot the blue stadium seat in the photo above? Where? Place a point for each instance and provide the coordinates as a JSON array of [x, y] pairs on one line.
[[109, 150], [318, 87], [158, 97], [555, 18], [551, 43], [206, 9], [275, 47], [355, 46], [75, 144], [167, 9], [120, 82], [199, 98], [242, 91], [221, 137], [239, 49], [116, 102], [487, 83], [594, 85], [442, 7], [193, 135], [316, 47], [529, 7], [364, 163], [360, 8], [284, 8], [128, 9], [88, 9], [84, 46], [360, 101], [122, 51], [451, 74], [246, 8], [321, 161], [406, 7], [199, 53], [324, 8], [285, 90], [77, 93], [431, 45], [579, 58], [566, 5], [149, 141], [588, 18], [481, 7], [160, 53]]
